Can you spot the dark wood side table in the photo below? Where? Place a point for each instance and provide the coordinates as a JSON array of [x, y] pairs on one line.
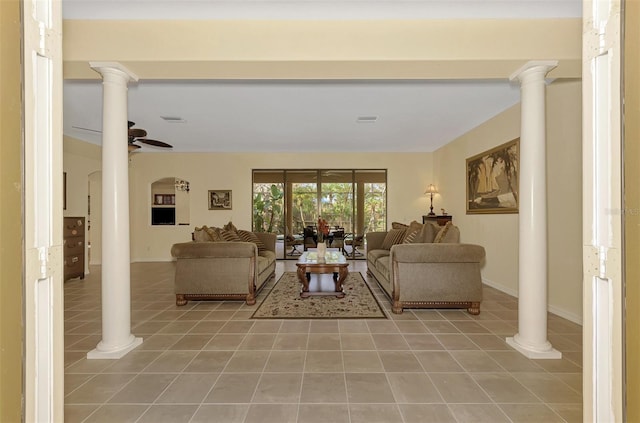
[[440, 220]]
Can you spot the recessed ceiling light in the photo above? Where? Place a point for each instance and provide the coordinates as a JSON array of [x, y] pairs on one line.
[[367, 119], [173, 119]]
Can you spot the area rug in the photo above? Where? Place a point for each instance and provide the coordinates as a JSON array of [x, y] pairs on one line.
[[284, 302]]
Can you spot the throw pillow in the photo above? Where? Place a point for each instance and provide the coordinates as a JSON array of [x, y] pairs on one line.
[[398, 225], [214, 234], [201, 235], [428, 233], [394, 236], [251, 237], [229, 235], [230, 227], [448, 234], [412, 233]]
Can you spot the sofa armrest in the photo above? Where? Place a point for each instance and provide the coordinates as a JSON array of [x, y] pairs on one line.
[[375, 240], [235, 249], [268, 239], [437, 253]]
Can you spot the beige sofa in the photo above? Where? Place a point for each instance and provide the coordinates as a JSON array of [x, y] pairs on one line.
[[420, 273], [223, 270]]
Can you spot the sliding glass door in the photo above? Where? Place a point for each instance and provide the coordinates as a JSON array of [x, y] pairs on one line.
[[289, 203]]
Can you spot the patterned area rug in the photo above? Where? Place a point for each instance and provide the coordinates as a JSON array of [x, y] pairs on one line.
[[284, 302]]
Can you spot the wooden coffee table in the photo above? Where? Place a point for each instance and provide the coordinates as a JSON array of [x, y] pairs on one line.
[[335, 264]]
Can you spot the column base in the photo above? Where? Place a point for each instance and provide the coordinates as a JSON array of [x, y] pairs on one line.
[[546, 352], [113, 354]]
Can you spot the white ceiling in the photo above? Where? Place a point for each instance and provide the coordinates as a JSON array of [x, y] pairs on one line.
[[301, 116]]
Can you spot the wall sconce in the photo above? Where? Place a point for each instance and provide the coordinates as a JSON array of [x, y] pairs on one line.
[[431, 189], [182, 185]]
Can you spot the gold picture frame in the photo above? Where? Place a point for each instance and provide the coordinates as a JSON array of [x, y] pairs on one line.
[[493, 180], [220, 199]]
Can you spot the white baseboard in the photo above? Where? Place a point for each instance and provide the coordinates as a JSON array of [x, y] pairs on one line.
[[552, 309]]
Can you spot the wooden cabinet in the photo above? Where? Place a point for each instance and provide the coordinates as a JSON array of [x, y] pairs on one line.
[[74, 242], [440, 220]]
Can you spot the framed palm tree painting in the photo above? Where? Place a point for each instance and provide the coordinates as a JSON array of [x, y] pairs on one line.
[[493, 178]]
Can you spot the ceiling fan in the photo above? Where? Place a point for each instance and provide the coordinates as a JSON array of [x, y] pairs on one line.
[[138, 135]]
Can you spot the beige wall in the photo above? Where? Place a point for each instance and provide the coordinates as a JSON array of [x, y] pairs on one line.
[[11, 298], [408, 175], [498, 233]]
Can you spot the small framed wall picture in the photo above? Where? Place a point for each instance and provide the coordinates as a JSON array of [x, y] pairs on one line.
[[220, 199]]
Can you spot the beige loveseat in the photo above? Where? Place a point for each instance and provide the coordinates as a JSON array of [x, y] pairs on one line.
[[234, 269], [425, 266]]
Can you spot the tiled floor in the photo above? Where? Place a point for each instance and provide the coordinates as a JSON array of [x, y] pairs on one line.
[[209, 362]]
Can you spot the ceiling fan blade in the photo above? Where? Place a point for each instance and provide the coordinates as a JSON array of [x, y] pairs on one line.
[[155, 143], [130, 123], [133, 147], [136, 133]]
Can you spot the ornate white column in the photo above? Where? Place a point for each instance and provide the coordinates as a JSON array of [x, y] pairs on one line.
[[531, 339], [117, 339]]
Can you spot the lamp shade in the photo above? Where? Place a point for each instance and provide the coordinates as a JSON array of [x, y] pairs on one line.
[[431, 189]]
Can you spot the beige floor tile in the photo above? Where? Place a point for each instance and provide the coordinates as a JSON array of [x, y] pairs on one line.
[[375, 413], [117, 413], [99, 389], [356, 341], [440, 326], [295, 326], [224, 342], [456, 342], [247, 361], [421, 413], [220, 413], [323, 388], [291, 341], [478, 413], [324, 361], [171, 361], [389, 342], [399, 361], [489, 342], [278, 388], [530, 413], [173, 413], [324, 341], [362, 361], [188, 389], [504, 388], [413, 388], [76, 413], [458, 388], [272, 413], [191, 342], [233, 388], [476, 361], [285, 361], [549, 388], [209, 362], [323, 413], [324, 326], [258, 342], [411, 327], [368, 388], [206, 327], [143, 389], [572, 413], [346, 370], [437, 361]]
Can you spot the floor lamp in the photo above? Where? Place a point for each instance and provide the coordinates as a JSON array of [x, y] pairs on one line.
[[431, 189]]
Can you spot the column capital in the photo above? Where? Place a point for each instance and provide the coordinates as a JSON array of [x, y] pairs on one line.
[[543, 66], [113, 67]]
